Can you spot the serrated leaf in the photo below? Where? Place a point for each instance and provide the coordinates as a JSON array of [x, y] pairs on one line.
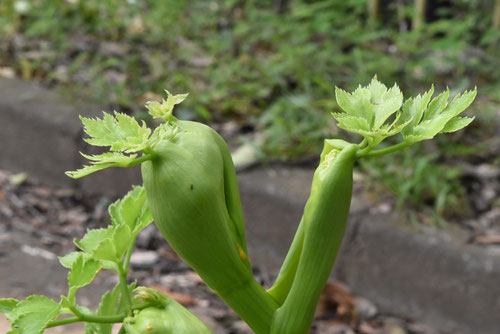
[[103, 161], [436, 106], [413, 110], [457, 123], [67, 260], [83, 271], [93, 238], [107, 244], [132, 210], [384, 102], [439, 115], [367, 109], [352, 123], [164, 109], [121, 132], [427, 129], [106, 251], [32, 315], [14, 331], [459, 103], [7, 305], [86, 170], [348, 103]]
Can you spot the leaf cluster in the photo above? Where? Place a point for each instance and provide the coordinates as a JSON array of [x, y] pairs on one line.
[[126, 137], [376, 112], [108, 248]]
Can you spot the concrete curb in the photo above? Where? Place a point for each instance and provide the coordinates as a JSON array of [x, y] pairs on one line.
[[41, 135], [433, 276]]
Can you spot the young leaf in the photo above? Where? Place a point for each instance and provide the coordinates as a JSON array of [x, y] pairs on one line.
[[385, 102], [108, 244], [124, 136], [132, 210], [367, 109], [93, 238], [103, 161], [413, 110], [7, 305], [32, 315], [68, 260], [164, 109], [121, 132], [437, 105], [114, 249], [460, 103], [441, 116], [83, 271], [106, 307], [353, 124], [457, 123]]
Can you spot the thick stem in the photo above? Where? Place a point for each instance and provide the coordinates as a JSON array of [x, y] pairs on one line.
[[325, 218], [253, 304]]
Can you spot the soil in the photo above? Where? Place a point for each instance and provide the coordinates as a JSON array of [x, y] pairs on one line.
[[38, 224]]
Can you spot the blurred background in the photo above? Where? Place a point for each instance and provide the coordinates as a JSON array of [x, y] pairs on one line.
[[263, 73]]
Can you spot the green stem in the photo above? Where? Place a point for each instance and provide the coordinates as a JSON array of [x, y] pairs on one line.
[[124, 287], [281, 287], [364, 143], [383, 151], [101, 319], [325, 217], [253, 304], [62, 322], [106, 319], [137, 161], [128, 255]]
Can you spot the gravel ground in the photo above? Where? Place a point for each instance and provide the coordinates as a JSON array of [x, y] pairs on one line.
[[38, 223]]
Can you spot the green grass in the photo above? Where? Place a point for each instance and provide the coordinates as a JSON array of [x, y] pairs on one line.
[[248, 62]]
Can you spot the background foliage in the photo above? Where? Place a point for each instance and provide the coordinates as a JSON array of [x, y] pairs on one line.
[[269, 67]]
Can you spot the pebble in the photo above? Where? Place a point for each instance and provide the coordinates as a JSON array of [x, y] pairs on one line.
[[365, 308], [328, 327], [394, 328], [182, 280], [240, 327], [143, 259]]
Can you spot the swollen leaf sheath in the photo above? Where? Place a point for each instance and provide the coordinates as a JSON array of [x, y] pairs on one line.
[[185, 182], [325, 219]]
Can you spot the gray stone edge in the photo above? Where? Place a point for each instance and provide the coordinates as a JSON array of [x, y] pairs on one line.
[[458, 285]]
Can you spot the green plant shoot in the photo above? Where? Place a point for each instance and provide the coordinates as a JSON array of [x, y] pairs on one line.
[[191, 192]]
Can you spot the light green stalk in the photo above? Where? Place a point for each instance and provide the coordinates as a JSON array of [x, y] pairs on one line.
[[325, 220]]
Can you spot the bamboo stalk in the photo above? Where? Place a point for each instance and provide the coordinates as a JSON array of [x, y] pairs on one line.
[[419, 18], [374, 10], [496, 15]]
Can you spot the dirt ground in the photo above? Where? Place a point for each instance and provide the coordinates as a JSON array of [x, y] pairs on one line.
[[38, 224]]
